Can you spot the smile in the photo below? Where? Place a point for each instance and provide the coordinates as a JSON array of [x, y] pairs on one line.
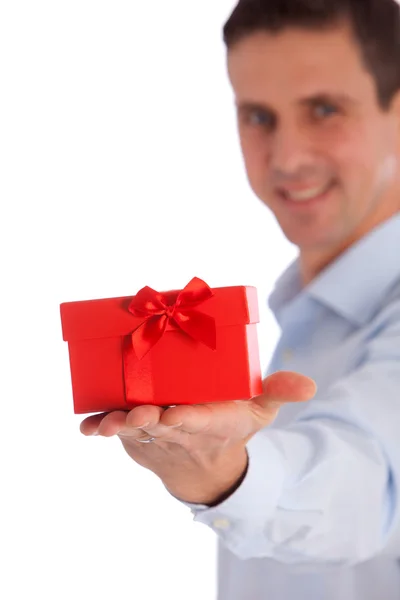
[[305, 195]]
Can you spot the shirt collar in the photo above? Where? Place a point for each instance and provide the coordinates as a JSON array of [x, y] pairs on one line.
[[355, 283], [287, 287]]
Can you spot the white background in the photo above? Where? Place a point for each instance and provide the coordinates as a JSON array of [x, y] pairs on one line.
[[120, 167]]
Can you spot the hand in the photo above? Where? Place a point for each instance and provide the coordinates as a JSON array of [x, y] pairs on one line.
[[199, 452]]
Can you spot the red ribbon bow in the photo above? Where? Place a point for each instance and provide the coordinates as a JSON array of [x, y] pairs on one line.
[[157, 314]]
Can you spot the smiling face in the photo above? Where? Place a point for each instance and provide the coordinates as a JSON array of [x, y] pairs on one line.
[[318, 149]]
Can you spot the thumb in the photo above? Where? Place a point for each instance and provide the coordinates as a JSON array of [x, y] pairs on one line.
[[283, 387]]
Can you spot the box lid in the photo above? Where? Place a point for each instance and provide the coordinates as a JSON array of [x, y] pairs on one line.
[[110, 317]]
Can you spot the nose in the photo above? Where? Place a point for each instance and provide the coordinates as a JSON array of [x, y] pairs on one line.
[[290, 150]]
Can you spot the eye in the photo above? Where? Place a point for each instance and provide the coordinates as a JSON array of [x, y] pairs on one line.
[[322, 110], [259, 118]]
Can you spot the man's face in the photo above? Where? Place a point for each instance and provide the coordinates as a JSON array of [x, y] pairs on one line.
[[311, 127]]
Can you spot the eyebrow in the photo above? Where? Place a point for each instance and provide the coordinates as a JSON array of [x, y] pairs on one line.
[[317, 98], [328, 97]]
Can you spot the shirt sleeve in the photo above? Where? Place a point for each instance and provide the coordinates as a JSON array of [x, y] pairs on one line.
[[324, 489]]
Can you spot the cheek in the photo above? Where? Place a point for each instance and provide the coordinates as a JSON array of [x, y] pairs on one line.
[[360, 159], [255, 156], [343, 145], [356, 157], [251, 141], [385, 174], [366, 173]]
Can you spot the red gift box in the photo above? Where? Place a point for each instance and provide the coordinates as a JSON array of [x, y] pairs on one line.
[[192, 346]]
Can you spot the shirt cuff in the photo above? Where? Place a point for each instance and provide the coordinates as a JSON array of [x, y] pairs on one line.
[[255, 500]]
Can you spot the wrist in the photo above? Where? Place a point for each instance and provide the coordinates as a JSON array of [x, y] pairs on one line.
[[215, 485]]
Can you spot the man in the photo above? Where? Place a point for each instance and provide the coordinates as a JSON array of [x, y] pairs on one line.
[[306, 503]]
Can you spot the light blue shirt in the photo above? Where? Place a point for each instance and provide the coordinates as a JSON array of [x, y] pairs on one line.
[[317, 516]]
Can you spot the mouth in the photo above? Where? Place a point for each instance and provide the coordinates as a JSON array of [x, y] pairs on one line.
[[306, 198]]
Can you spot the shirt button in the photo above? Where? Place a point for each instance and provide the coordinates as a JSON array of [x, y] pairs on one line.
[[287, 354], [221, 524]]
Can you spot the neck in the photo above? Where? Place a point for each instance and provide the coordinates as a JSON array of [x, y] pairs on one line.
[[314, 261], [312, 265]]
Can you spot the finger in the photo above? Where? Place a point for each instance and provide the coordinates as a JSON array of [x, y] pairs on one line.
[[287, 386], [146, 420], [144, 415], [278, 389], [112, 423], [222, 419], [118, 422], [132, 423], [242, 417], [89, 426]]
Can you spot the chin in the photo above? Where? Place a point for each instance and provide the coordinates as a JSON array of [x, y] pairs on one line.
[[313, 241]]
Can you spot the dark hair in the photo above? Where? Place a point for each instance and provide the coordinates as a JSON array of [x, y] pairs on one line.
[[375, 25]]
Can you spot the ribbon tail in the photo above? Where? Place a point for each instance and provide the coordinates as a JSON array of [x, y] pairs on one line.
[[198, 326], [148, 334]]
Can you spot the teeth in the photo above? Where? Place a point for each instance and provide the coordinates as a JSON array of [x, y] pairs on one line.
[[305, 194]]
